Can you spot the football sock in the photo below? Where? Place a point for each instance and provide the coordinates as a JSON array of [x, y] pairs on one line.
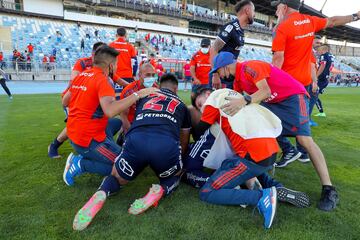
[[110, 185], [170, 184], [319, 105], [56, 143]]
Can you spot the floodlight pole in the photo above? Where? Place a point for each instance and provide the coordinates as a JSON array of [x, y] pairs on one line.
[[323, 6]]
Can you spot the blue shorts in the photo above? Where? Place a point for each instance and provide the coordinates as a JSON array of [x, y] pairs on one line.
[[198, 151], [159, 151], [195, 88], [187, 78], [294, 115], [322, 85]]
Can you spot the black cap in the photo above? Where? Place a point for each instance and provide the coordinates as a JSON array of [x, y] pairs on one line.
[[205, 42], [295, 4]]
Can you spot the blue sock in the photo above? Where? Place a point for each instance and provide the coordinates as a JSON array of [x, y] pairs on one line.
[[56, 143], [267, 182], [110, 185], [170, 184]]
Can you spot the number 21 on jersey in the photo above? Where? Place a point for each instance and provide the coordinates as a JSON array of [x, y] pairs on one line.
[[160, 102]]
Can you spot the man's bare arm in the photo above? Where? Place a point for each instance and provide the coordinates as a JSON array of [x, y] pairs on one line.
[[340, 20], [278, 59], [215, 48]]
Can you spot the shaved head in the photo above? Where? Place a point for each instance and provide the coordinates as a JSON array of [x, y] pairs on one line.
[[146, 70], [146, 67]]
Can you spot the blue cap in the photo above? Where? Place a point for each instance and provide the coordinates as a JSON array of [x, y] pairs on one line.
[[221, 60]]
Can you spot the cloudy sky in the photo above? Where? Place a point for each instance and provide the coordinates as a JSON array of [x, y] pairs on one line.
[[337, 8]]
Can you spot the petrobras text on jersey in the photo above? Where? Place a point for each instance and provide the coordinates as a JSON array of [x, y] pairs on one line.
[[155, 115]]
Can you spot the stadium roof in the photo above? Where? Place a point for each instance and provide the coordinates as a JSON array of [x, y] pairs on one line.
[[341, 33]]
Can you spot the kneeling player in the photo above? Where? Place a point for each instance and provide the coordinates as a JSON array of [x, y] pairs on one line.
[[252, 157], [158, 134], [196, 175], [91, 100]]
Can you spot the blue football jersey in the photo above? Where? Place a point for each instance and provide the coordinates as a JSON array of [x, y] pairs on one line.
[[165, 111], [233, 37], [327, 59]]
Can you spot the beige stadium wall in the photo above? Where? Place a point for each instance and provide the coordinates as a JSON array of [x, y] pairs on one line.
[[5, 40]]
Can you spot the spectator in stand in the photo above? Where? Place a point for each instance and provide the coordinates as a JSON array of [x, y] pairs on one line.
[[159, 68], [16, 56], [2, 62], [52, 62], [58, 36], [87, 33], [152, 60], [187, 73], [96, 33], [28, 62], [21, 61], [201, 66], [54, 51], [147, 37], [45, 62], [30, 49], [82, 45]]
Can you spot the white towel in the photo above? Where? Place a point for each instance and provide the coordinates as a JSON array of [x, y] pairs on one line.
[[252, 121]]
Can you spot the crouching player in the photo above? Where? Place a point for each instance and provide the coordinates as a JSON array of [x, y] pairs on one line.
[[159, 132], [91, 100], [196, 175], [252, 157]]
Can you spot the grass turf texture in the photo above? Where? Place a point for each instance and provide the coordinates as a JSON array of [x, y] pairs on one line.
[[35, 203]]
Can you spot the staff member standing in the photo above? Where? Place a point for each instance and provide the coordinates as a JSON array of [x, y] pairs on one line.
[[125, 60], [292, 47], [231, 38], [200, 66]]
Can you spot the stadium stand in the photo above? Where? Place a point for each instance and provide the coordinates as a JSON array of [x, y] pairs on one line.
[[47, 35]]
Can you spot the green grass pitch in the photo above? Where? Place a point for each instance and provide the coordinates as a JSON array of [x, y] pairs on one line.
[[35, 203]]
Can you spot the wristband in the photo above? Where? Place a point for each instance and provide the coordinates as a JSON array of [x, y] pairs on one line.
[[247, 99], [355, 17], [136, 95]]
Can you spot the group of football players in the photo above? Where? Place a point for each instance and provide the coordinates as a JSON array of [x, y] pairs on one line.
[[237, 129]]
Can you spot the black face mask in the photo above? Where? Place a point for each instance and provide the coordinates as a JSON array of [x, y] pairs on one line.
[[230, 78]]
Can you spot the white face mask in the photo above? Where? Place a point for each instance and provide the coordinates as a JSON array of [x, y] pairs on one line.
[[149, 81], [204, 50]]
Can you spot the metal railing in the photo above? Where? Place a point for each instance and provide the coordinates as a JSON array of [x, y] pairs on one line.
[[175, 12], [35, 68]]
